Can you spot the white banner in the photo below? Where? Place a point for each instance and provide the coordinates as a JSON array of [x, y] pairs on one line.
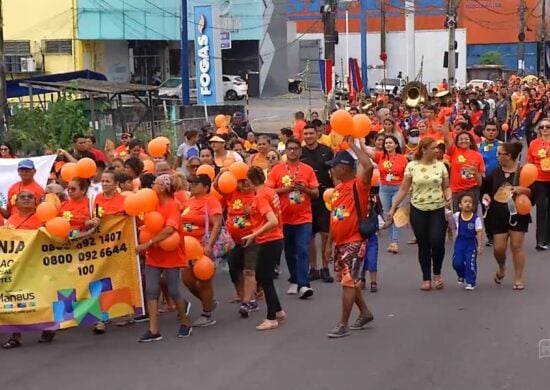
[[9, 175]]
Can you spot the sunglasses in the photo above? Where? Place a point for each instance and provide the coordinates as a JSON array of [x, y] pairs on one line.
[[503, 153], [124, 137], [194, 166], [4, 149], [545, 127], [25, 197]]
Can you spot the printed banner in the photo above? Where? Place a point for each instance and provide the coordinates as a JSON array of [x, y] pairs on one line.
[[45, 285], [8, 173]]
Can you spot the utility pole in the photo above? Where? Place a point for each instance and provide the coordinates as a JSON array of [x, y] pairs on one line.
[[521, 38], [363, 19], [382, 26], [542, 59], [328, 10], [184, 55], [3, 100], [451, 63]]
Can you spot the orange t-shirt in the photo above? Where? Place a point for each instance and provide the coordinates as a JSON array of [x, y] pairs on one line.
[[238, 214], [16, 188], [16, 221], [108, 206], [76, 212], [298, 129], [229, 159], [266, 200], [436, 135], [344, 223], [258, 160], [193, 217], [539, 154], [461, 179], [181, 197], [295, 205], [155, 256], [453, 135], [391, 168]]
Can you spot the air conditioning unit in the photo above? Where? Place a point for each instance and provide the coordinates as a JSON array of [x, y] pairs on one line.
[[28, 65]]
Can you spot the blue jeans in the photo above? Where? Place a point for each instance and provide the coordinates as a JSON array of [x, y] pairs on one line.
[[387, 194], [297, 238], [370, 260]]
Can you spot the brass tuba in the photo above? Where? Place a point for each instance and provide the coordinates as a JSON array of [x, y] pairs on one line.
[[414, 93]]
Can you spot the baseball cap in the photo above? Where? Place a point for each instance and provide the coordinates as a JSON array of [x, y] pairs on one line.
[[342, 157], [201, 179], [25, 164]]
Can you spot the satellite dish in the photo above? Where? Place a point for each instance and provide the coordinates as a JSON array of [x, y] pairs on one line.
[[225, 7]]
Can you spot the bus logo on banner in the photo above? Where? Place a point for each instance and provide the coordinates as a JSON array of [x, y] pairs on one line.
[[206, 48]]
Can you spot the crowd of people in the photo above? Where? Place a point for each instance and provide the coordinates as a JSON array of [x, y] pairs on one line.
[[430, 166]]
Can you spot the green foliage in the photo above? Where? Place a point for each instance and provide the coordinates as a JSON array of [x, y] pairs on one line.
[[491, 58], [32, 130]]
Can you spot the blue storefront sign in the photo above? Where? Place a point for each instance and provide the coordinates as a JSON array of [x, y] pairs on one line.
[[206, 60]]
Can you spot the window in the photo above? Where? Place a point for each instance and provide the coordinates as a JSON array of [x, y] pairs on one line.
[[59, 46], [14, 51]]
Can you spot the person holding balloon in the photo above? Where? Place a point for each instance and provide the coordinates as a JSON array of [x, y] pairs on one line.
[[506, 193], [76, 209], [201, 218], [539, 155], [164, 253], [27, 219], [267, 235]]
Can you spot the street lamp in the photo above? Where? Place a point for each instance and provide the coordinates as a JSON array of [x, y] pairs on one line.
[[347, 4]]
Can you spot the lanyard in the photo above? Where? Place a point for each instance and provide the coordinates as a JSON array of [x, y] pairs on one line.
[[293, 177]]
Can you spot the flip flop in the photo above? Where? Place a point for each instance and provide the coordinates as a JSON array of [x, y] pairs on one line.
[[498, 278], [518, 286], [11, 344]]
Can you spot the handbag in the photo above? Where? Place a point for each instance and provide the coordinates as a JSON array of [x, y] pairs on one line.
[[223, 245], [368, 225]]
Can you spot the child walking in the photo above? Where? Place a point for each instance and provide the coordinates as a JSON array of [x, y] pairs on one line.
[[468, 242]]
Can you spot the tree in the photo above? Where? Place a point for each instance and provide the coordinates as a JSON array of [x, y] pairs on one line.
[[32, 130], [491, 58]]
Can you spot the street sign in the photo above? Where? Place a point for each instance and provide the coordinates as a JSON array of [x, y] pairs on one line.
[[225, 40]]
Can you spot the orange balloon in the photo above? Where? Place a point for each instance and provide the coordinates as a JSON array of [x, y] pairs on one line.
[[58, 227], [342, 122], [335, 138], [239, 169], [222, 130], [126, 193], [361, 125], [227, 183], [204, 268], [206, 169], [69, 171], [148, 199], [344, 145], [528, 175], [523, 204], [327, 195], [148, 166], [145, 236], [375, 181], [85, 168], [46, 211], [505, 127], [158, 147], [171, 243], [219, 120], [153, 222], [193, 248], [215, 193], [132, 205]]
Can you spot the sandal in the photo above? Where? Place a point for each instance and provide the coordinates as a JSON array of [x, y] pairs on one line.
[[426, 285], [518, 286], [498, 278], [124, 323], [11, 344], [47, 336], [373, 287], [412, 241], [268, 325], [439, 284]]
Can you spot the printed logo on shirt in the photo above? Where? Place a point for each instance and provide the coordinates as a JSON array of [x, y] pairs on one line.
[[237, 204], [241, 222], [461, 158], [542, 153], [13, 199], [339, 213], [100, 211], [387, 164], [286, 180], [185, 211], [189, 227], [296, 197], [68, 215]]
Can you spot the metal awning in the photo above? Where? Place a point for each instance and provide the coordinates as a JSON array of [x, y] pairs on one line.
[[90, 86]]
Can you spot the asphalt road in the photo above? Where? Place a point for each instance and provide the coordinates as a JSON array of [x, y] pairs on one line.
[[449, 340]]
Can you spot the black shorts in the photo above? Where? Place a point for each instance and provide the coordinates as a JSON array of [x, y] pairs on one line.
[[498, 220], [321, 217]]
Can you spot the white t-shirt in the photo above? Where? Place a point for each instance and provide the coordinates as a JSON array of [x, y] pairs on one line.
[[184, 152]]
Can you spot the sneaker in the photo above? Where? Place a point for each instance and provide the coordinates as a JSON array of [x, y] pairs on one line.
[[204, 321], [489, 242], [187, 308], [325, 276], [277, 272], [460, 281], [362, 321], [541, 247], [338, 331], [470, 287], [292, 289], [149, 337], [313, 275], [141, 318], [244, 310], [184, 331], [305, 292], [253, 306]]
